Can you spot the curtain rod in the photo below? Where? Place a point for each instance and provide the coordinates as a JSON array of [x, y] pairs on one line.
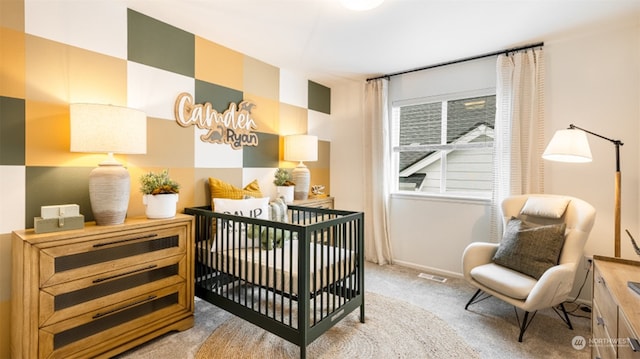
[[495, 53]]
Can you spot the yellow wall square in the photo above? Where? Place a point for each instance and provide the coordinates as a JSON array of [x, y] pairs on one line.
[[266, 113], [12, 69], [47, 135], [168, 145], [59, 73], [12, 14], [261, 78], [293, 120], [218, 64]]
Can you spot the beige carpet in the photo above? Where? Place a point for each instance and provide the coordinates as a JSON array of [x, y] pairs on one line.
[[392, 329]]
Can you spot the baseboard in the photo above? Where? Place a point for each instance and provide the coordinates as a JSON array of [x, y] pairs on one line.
[[427, 269], [581, 301]]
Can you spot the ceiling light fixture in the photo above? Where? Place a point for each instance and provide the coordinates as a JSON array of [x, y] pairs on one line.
[[361, 5]]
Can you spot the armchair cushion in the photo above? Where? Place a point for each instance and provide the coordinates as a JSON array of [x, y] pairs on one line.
[[530, 250], [504, 280]]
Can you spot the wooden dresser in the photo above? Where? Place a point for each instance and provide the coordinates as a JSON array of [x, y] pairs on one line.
[[100, 290], [616, 309]]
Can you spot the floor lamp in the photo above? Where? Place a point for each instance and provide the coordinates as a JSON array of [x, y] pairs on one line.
[[571, 145]]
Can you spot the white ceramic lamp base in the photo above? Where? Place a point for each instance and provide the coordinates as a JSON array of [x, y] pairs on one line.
[[109, 193], [302, 178]]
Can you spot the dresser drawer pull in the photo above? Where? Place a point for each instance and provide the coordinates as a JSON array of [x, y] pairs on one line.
[[600, 321], [634, 344], [98, 315], [124, 240], [98, 280]]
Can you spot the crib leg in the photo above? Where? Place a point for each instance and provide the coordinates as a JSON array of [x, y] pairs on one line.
[[362, 313], [303, 352]]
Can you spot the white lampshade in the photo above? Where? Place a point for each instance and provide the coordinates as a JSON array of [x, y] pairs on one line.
[[104, 128], [301, 148], [108, 129], [569, 145], [361, 5]]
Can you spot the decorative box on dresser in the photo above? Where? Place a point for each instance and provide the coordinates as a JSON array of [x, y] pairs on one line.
[[616, 309], [100, 290]]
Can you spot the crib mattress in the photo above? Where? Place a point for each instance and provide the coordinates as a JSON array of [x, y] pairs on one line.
[[278, 268]]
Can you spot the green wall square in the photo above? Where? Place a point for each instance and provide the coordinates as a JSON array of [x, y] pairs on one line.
[[219, 96], [48, 186], [319, 98], [154, 43], [12, 131], [265, 155]]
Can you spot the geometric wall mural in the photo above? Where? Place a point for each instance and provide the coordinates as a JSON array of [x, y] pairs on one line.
[[146, 69]]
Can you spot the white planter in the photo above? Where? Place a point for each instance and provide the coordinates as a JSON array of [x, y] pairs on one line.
[[286, 192], [160, 205]]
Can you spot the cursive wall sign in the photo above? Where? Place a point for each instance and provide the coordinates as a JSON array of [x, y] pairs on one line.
[[233, 127]]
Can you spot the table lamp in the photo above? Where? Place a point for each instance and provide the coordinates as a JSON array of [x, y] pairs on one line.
[[571, 145], [301, 148], [108, 129]]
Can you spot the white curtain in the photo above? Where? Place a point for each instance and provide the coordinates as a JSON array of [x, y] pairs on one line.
[[377, 172], [519, 129]]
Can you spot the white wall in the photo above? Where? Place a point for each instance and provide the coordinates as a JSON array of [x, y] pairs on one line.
[[593, 81], [347, 142]]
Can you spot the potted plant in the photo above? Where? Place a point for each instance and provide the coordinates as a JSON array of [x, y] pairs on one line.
[[284, 185], [160, 194]]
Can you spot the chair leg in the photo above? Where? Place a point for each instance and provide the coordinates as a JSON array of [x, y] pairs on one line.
[[523, 327], [525, 322], [566, 319], [471, 301]]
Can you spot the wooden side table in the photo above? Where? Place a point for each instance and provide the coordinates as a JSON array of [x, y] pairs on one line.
[[321, 202]]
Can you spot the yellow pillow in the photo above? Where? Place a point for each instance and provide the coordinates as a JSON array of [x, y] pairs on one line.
[[221, 189]]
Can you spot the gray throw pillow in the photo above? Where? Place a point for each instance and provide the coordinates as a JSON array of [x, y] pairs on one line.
[[530, 250]]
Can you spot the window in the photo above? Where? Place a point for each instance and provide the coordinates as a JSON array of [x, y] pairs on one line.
[[444, 145]]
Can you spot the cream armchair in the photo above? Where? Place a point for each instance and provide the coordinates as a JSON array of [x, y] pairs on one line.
[[523, 291]]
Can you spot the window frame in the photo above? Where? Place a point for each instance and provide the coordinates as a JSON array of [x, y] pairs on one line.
[[394, 118]]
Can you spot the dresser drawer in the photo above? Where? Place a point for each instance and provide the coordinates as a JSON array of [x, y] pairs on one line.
[[629, 347], [601, 335], [101, 254], [607, 306], [70, 299], [108, 326]]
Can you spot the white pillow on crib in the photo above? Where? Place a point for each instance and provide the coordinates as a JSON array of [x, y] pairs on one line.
[[234, 234]]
